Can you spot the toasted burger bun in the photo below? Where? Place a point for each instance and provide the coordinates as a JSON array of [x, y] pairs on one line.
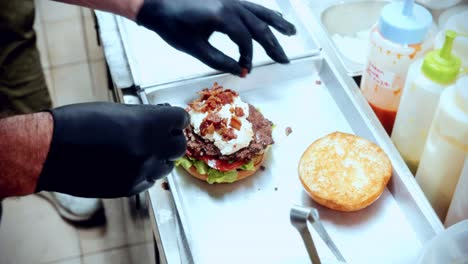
[[344, 172], [241, 174]]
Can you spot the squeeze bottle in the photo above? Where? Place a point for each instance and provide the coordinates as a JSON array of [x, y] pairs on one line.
[[446, 148], [399, 38], [425, 82], [459, 24], [458, 210]]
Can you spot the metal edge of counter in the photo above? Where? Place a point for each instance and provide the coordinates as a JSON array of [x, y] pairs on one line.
[[114, 49]]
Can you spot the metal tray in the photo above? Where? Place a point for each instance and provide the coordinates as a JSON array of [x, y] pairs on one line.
[[248, 221], [153, 62]]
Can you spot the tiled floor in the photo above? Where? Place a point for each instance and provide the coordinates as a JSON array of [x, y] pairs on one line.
[[31, 231]]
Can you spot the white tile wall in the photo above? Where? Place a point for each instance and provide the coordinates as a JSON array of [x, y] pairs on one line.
[[94, 51], [72, 84], [37, 13], [42, 46], [72, 60], [52, 11], [65, 41], [99, 76], [85, 12], [49, 82]]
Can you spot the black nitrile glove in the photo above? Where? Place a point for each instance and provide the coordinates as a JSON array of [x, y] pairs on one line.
[[106, 150], [187, 25]]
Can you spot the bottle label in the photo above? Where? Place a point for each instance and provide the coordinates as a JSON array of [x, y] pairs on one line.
[[380, 77]]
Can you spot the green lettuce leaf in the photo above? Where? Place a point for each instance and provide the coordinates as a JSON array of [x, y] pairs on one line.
[[201, 167], [250, 166], [215, 176], [184, 162]]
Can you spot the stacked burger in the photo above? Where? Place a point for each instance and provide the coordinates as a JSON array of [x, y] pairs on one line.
[[227, 138]]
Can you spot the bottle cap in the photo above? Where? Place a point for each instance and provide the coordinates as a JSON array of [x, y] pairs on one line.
[[405, 22], [441, 65]]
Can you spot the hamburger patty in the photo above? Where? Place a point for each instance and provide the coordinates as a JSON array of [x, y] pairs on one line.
[[197, 146]]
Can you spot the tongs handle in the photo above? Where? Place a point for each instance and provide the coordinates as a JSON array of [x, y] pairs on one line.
[[299, 217], [317, 224]]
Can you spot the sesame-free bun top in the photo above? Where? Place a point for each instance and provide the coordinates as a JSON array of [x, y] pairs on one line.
[[344, 172]]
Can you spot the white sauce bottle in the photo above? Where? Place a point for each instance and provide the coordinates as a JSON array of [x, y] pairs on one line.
[[459, 24], [400, 37], [446, 149], [458, 210], [425, 82]]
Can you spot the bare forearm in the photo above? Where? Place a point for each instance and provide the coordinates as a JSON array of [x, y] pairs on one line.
[[127, 8], [24, 144]]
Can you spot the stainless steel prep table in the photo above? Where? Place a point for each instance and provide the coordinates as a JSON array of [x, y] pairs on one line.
[[167, 225]]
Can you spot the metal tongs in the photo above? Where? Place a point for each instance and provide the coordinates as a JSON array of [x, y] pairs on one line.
[[299, 217]]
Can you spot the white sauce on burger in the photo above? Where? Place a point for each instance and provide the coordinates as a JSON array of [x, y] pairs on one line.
[[244, 134]]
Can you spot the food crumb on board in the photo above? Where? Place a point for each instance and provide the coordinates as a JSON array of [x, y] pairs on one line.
[[262, 168], [276, 188], [288, 131], [318, 82], [165, 186]]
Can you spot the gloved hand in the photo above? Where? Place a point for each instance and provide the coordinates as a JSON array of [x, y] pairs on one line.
[[187, 25], [106, 150]]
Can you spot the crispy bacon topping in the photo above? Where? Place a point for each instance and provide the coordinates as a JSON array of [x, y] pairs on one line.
[[206, 129], [213, 99], [235, 123], [216, 120], [239, 111], [228, 134], [212, 123]]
